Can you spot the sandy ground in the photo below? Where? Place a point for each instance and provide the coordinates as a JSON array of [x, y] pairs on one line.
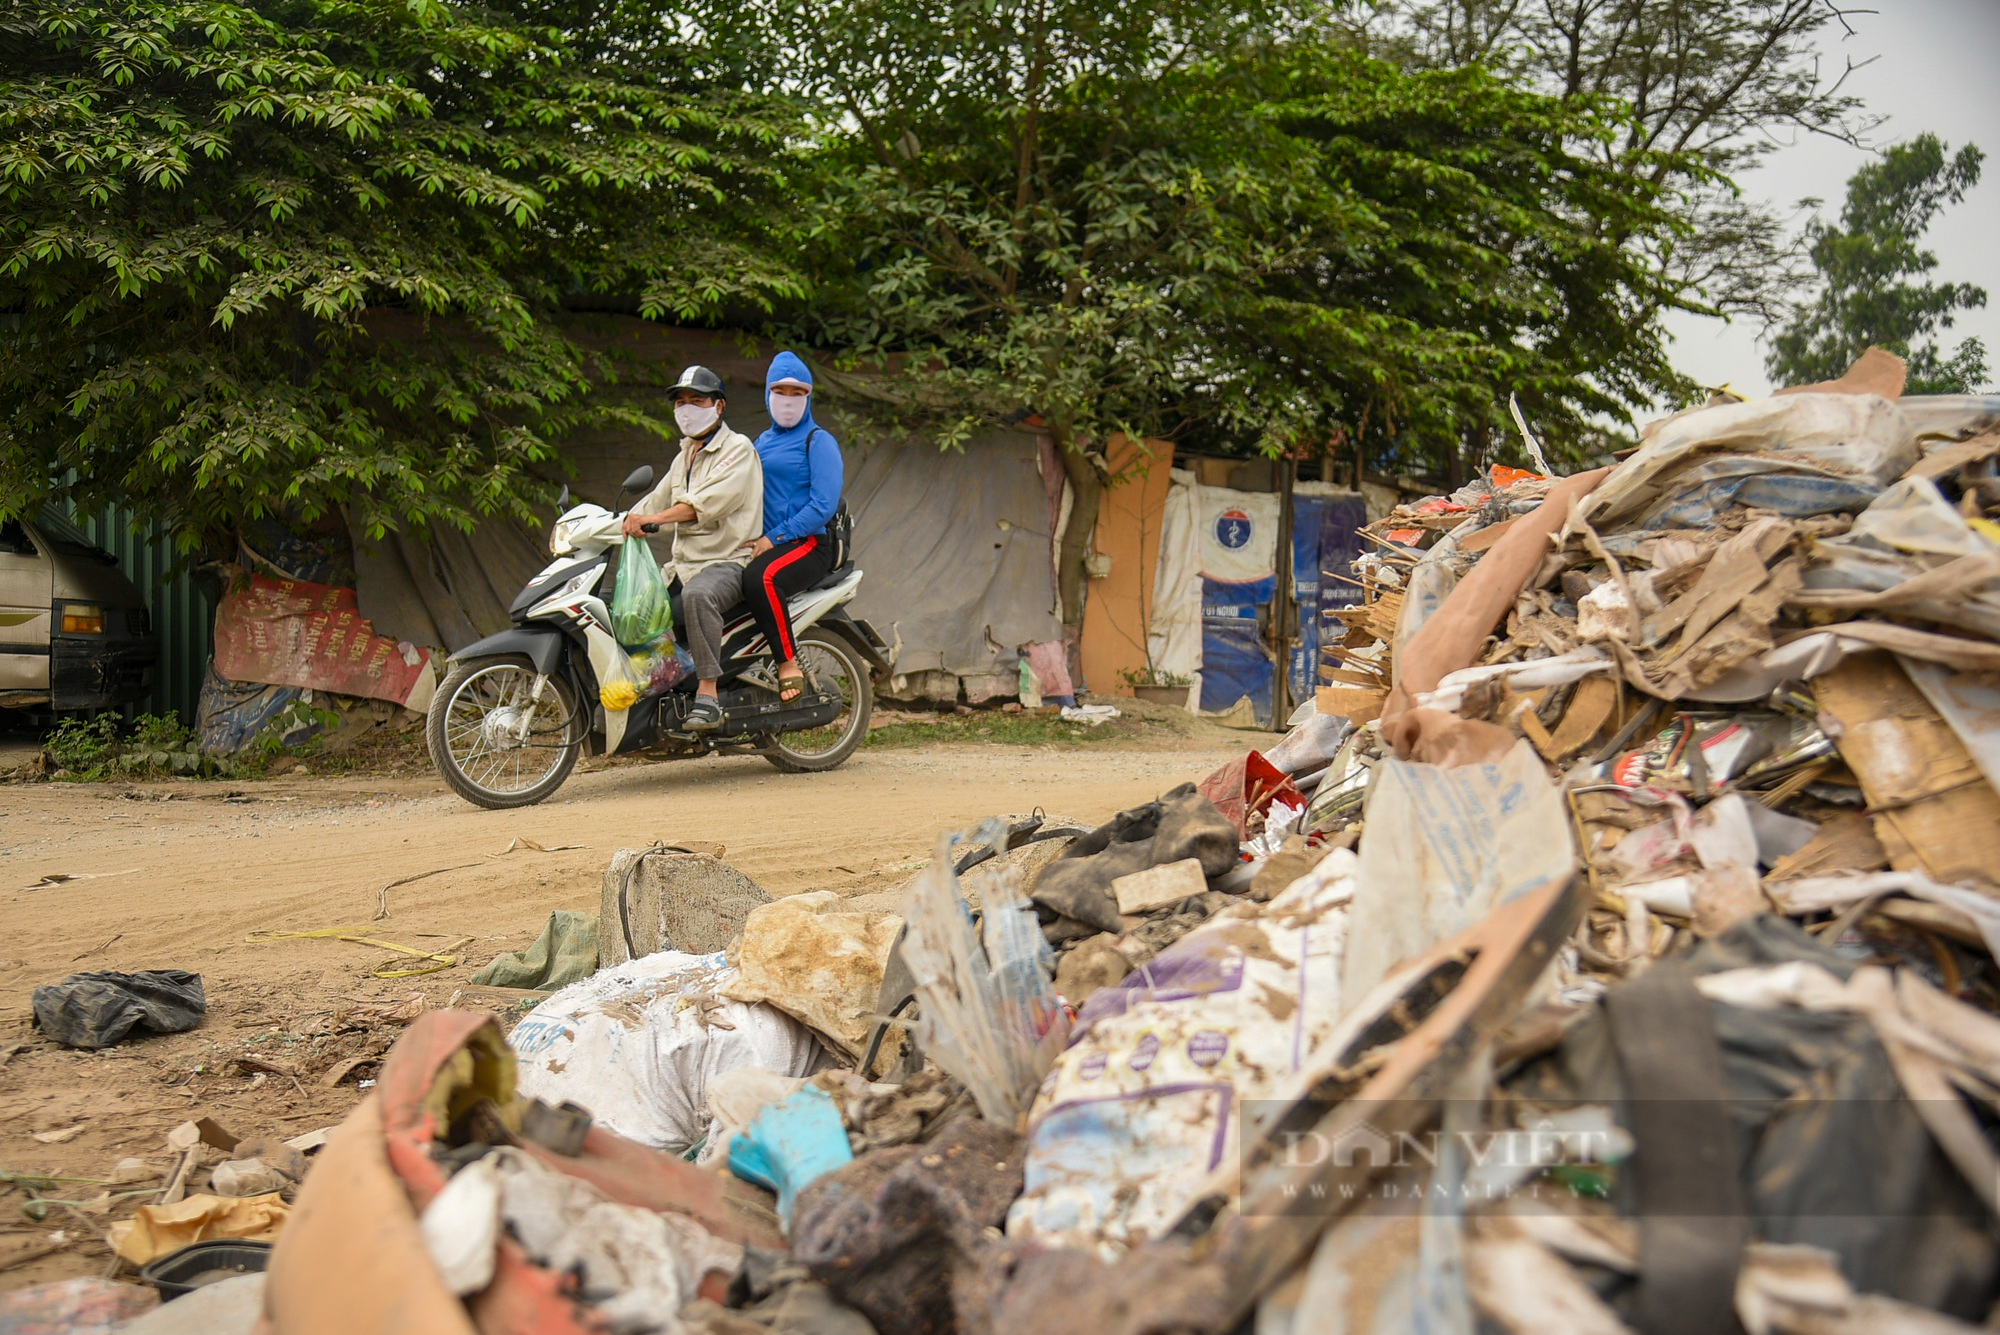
[[181, 872]]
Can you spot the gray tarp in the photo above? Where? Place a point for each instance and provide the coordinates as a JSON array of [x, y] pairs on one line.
[[958, 591], [950, 585], [445, 588]]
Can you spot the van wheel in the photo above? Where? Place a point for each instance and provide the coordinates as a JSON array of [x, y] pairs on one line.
[[494, 743], [830, 664]]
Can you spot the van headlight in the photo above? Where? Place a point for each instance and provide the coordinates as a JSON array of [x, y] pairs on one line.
[[82, 619]]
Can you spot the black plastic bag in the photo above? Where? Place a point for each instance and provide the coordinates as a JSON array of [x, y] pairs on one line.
[[96, 1010]]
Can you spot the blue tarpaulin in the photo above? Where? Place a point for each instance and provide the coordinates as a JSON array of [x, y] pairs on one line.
[[1339, 543], [1308, 515], [1235, 662]]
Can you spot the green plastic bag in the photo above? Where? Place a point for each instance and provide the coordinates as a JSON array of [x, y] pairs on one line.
[[640, 612]]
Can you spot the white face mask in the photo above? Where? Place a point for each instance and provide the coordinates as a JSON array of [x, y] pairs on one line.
[[694, 420], [788, 410]]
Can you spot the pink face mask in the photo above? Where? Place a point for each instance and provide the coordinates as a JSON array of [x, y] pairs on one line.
[[788, 410]]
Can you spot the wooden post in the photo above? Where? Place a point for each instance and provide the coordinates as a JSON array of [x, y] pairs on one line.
[[1283, 614]]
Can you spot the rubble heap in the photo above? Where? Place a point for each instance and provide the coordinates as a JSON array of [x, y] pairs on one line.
[[1612, 949]]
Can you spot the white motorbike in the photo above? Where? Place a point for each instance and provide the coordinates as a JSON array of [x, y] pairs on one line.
[[516, 709]]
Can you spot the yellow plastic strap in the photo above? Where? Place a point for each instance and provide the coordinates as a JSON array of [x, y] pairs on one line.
[[438, 960]]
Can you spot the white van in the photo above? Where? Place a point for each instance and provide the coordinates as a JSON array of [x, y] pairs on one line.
[[74, 631]]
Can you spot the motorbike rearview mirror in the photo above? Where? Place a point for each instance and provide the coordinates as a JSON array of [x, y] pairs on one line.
[[641, 479], [562, 499]]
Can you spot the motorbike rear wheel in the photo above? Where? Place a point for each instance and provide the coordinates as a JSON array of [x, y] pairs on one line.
[[478, 741], [831, 664]]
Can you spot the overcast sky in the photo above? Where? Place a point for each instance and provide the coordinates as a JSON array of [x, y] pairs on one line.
[[1933, 69]]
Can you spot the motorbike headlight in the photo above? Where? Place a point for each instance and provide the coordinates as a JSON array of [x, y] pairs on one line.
[[559, 541]]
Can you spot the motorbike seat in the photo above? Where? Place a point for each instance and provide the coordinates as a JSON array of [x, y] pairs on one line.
[[833, 577]]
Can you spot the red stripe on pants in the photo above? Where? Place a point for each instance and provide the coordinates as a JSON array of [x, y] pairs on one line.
[[779, 611]]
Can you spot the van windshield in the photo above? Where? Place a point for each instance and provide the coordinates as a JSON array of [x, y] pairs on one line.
[[66, 537]]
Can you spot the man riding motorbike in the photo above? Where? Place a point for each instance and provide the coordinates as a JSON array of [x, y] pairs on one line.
[[713, 496], [803, 473]]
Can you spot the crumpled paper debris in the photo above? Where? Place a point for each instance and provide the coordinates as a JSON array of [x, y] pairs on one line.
[[160, 1229]]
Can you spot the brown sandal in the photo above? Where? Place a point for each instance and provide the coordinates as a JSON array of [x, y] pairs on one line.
[[791, 687]]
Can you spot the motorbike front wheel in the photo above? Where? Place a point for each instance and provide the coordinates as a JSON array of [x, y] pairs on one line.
[[830, 664], [496, 745]]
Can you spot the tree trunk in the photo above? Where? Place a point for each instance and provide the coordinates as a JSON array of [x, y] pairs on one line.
[[1086, 492]]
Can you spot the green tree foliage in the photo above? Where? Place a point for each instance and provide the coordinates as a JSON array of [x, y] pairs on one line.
[[1460, 240], [282, 257], [1020, 203], [1205, 222], [1709, 87], [1869, 264]]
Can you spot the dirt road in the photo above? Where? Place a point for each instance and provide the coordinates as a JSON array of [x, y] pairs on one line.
[[179, 873]]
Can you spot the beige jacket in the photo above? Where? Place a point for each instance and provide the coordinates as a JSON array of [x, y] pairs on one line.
[[723, 479]]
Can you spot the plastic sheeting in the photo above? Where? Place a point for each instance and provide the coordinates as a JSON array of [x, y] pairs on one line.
[[1325, 541], [233, 714], [956, 548], [1235, 661], [1239, 534], [950, 584], [447, 588], [1339, 545], [1173, 640], [1239, 555]]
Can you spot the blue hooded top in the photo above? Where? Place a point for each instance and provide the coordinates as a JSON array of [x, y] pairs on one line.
[[802, 466]]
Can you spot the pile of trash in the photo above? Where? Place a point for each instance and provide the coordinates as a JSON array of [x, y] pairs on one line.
[[1610, 947]]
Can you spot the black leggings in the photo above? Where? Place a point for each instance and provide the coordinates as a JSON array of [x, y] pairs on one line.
[[786, 569]]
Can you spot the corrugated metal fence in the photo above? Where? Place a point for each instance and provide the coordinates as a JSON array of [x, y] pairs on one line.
[[183, 619]]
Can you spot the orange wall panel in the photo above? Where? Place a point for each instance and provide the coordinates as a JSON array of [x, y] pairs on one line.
[[1119, 606]]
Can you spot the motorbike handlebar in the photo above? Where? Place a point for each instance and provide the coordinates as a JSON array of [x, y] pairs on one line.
[[651, 528]]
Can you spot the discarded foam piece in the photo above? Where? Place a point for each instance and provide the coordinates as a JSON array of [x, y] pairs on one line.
[[818, 961], [671, 898], [1157, 887]]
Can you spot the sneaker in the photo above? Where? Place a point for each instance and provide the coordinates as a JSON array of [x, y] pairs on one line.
[[704, 715]]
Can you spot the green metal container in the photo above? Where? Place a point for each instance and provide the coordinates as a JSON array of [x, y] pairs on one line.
[[183, 617]]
